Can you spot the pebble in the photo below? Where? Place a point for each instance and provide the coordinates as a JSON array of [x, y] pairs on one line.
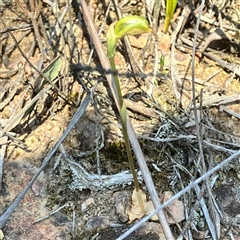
[[36, 189], [97, 222], [87, 203], [122, 205]]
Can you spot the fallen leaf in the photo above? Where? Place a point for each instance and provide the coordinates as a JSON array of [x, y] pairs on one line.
[[149, 207], [135, 211]]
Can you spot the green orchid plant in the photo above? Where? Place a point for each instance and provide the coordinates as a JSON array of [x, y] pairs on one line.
[[170, 9], [130, 25]]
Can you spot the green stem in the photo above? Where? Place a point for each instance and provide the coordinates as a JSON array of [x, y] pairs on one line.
[[123, 117], [116, 80], [130, 25]]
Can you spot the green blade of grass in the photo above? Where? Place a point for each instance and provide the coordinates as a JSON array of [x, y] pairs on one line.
[[170, 9]]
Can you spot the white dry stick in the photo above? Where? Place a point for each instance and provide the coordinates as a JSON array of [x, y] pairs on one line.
[[150, 5], [229, 111], [3, 145], [198, 127], [206, 214], [217, 147], [84, 180], [51, 213]]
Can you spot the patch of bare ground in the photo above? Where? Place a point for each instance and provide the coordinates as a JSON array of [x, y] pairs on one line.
[[85, 191]]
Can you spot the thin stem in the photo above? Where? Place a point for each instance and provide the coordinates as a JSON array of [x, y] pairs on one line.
[[130, 159], [124, 122], [123, 116], [116, 80]]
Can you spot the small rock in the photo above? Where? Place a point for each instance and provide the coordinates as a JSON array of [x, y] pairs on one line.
[[97, 222], [122, 205], [175, 209], [151, 228], [87, 203], [36, 188]]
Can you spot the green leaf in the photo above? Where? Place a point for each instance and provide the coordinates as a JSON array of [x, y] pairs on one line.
[[49, 73], [53, 69], [132, 25], [170, 9]]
